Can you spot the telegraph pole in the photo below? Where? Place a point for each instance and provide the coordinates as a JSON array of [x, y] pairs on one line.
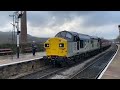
[[18, 39], [17, 26], [13, 33]]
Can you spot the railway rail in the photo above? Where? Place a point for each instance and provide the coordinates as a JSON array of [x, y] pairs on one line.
[[94, 69], [42, 74]]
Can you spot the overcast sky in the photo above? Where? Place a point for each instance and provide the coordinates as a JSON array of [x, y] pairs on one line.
[[48, 23]]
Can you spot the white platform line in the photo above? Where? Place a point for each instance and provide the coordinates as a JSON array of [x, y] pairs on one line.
[[108, 64]]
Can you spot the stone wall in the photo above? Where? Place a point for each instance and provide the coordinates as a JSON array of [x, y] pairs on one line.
[[20, 69]]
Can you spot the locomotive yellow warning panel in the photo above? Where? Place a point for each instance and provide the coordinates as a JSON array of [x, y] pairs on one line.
[[56, 47]]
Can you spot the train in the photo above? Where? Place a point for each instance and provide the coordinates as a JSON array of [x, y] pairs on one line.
[[68, 46]]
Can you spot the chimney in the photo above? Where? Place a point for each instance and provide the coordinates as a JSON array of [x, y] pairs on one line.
[[23, 34]]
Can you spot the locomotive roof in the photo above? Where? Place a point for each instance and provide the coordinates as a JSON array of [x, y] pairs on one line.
[[81, 36]]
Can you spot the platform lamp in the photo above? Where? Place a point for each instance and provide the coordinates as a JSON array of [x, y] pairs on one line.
[[18, 16]]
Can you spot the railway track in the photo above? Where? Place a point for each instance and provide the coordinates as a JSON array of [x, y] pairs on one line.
[[84, 73], [94, 69], [47, 75], [43, 74]]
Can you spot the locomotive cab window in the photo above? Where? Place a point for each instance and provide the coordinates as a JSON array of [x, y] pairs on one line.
[[63, 34], [68, 35], [58, 35]]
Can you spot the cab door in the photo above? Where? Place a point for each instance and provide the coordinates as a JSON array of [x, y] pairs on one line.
[[77, 40], [78, 44]]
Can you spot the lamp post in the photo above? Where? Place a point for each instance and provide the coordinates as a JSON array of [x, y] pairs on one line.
[[18, 16]]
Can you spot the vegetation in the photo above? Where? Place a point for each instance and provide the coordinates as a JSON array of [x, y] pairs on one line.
[[6, 37], [6, 41]]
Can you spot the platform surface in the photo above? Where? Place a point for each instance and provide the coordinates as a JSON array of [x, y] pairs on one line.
[[8, 59], [113, 70]]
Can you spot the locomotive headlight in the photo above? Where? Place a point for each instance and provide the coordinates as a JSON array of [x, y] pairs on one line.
[[61, 45], [46, 45]]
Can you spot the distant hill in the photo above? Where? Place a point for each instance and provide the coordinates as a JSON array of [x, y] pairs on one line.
[[36, 39], [6, 37]]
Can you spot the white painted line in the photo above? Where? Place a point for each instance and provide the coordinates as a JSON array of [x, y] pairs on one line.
[[108, 64], [19, 62]]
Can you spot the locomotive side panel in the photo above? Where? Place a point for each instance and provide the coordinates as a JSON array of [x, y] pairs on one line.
[[71, 49]]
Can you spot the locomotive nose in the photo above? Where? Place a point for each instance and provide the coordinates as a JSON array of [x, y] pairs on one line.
[[55, 46]]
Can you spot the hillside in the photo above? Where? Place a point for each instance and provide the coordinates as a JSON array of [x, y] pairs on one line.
[[6, 37]]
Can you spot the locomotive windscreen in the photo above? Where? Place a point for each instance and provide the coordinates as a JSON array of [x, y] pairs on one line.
[[65, 35]]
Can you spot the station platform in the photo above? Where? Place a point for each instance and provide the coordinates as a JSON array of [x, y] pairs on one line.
[[112, 71], [8, 59]]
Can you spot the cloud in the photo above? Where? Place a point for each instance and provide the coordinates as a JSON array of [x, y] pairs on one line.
[[52, 18], [93, 23], [4, 18], [107, 31], [51, 31], [102, 18], [91, 18], [49, 23]]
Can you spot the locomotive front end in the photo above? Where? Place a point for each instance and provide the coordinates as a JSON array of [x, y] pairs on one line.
[[55, 48]]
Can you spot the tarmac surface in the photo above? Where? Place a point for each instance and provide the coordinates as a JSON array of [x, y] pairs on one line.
[[7, 59], [113, 70]]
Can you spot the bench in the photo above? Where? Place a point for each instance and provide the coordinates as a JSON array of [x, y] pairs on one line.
[[6, 51], [28, 49]]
